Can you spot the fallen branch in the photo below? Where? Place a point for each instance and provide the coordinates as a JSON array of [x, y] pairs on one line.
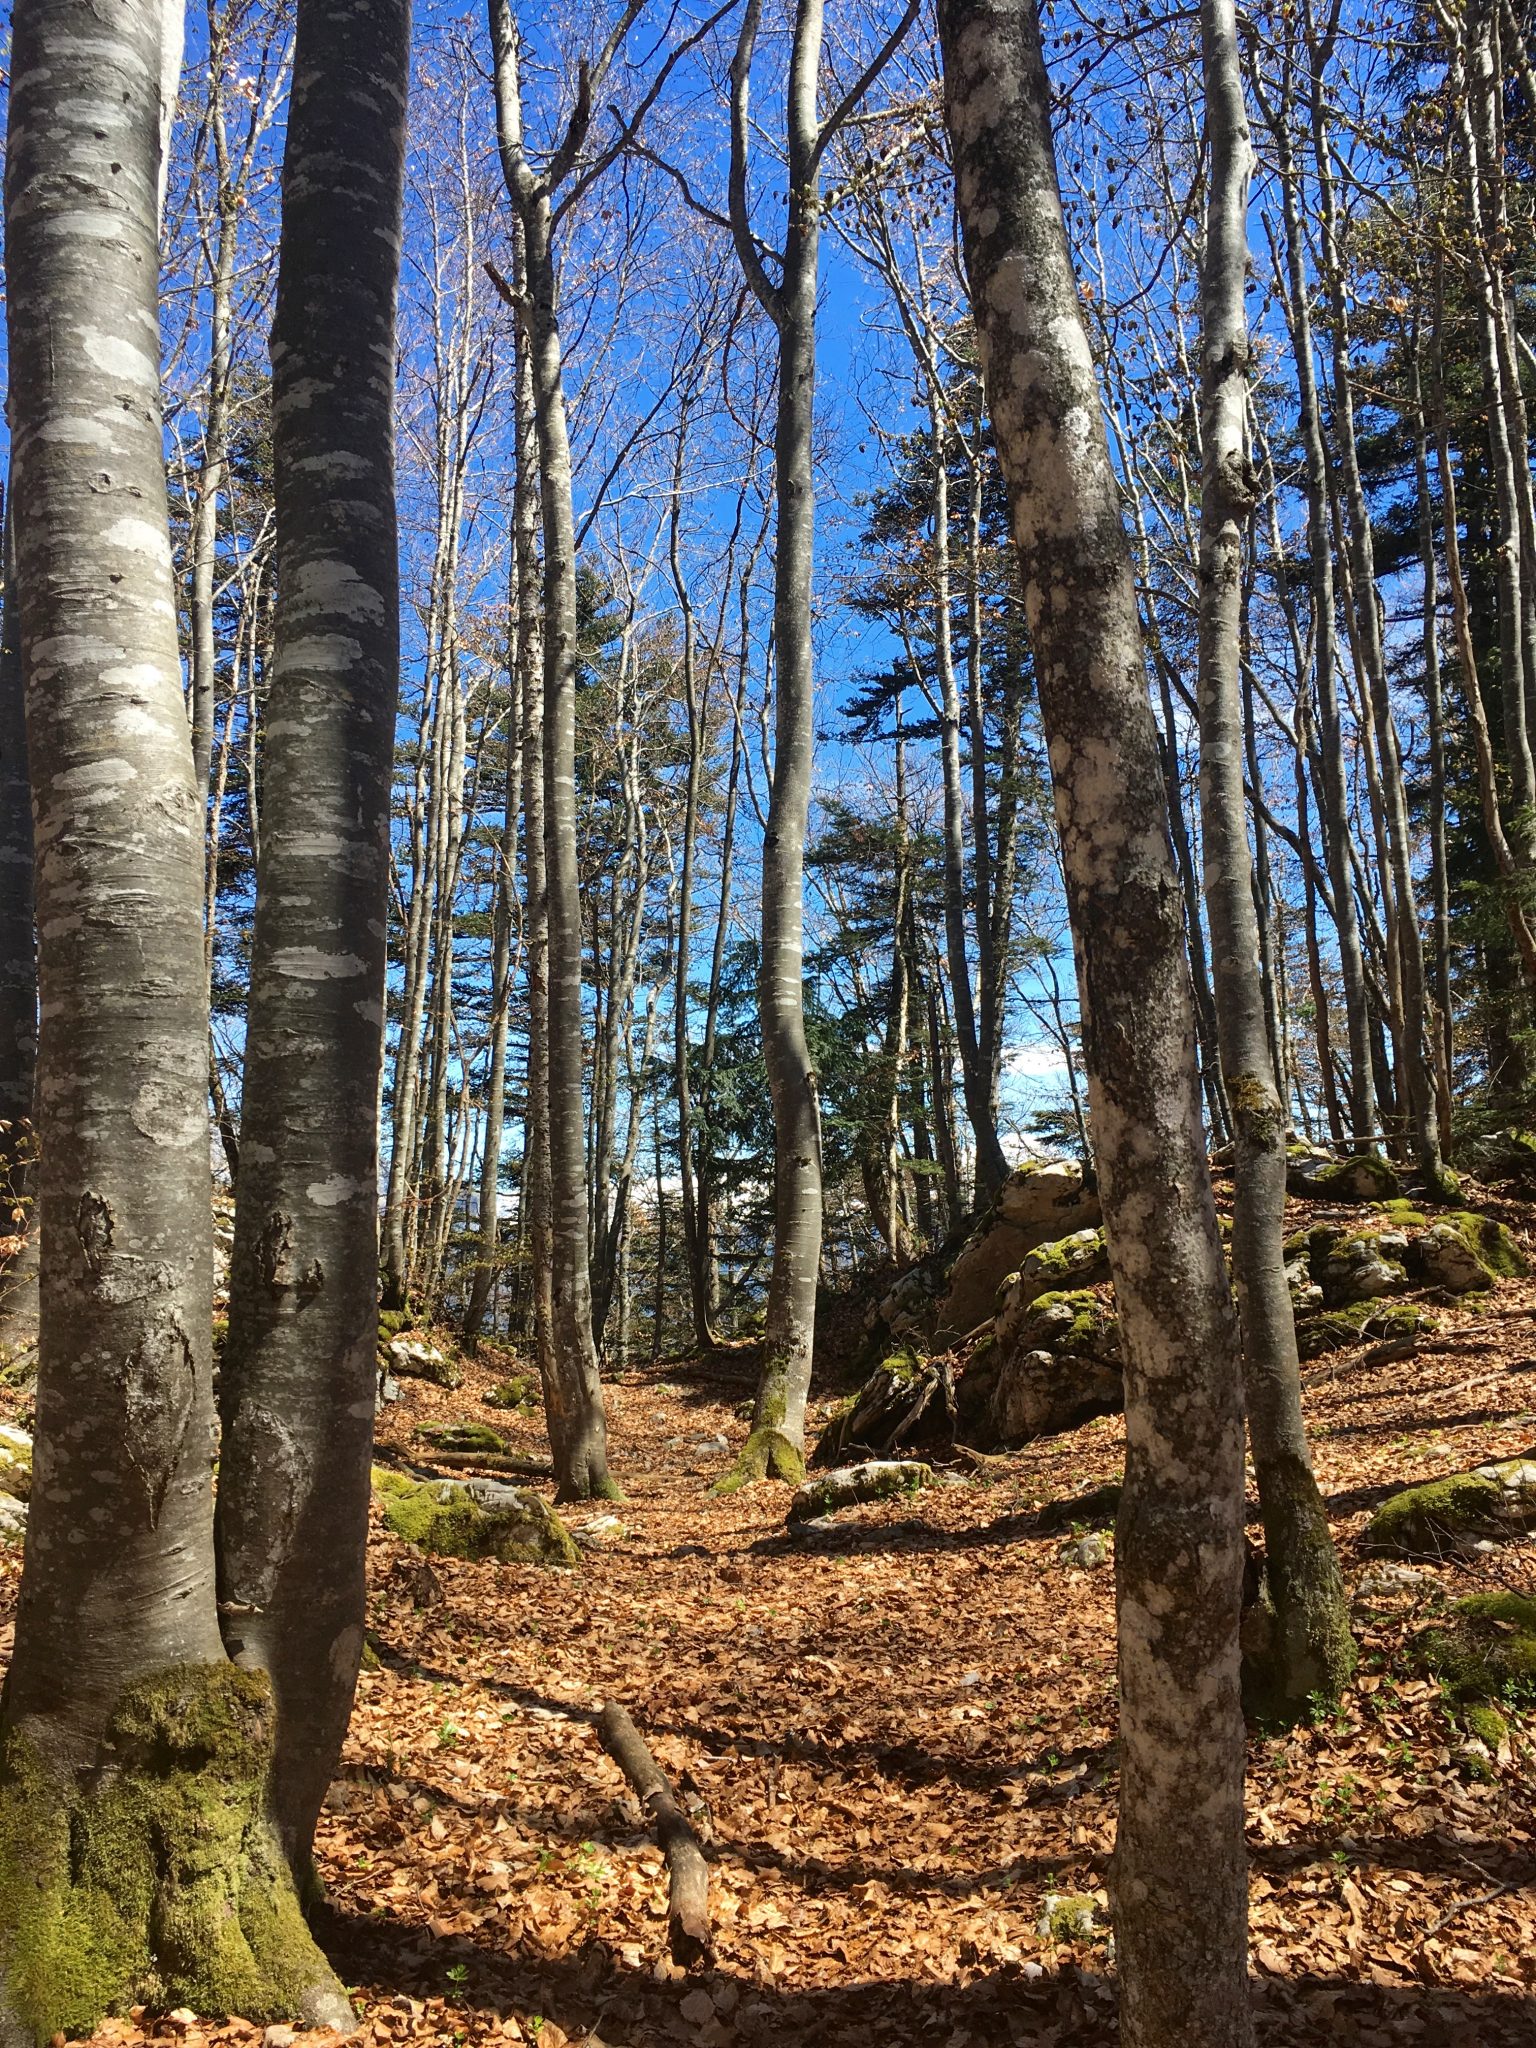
[[688, 1936], [494, 1461]]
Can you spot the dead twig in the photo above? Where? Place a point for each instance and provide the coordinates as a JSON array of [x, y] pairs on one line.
[[688, 1935]]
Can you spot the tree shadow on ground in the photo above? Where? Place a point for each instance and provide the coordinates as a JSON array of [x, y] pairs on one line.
[[498, 1972]]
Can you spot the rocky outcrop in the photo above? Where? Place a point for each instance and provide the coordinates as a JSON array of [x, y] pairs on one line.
[[1039, 1204], [1053, 1362]]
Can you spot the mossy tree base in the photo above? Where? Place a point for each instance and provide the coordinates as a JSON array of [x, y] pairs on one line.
[[162, 1883], [767, 1454], [1298, 1651]]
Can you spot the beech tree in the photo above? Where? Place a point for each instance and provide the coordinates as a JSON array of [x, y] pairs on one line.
[[1312, 1652], [18, 995], [776, 1446], [1179, 1551], [136, 1853], [297, 1389]]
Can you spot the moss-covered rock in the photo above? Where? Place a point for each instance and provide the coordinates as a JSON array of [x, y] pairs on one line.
[[476, 1520], [1465, 1253], [1505, 1155], [1068, 1917], [856, 1485], [413, 1359], [159, 1882], [1362, 1322], [516, 1392], [1484, 1648], [1357, 1265], [15, 1462], [1444, 1517], [1363, 1177], [1041, 1393], [1075, 1323], [464, 1437], [1484, 1721], [1077, 1261]]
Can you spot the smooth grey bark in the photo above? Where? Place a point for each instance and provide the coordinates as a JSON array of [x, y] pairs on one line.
[[1333, 794], [121, 1709], [18, 989], [776, 1444], [1310, 1651], [1441, 1016], [527, 664], [574, 1399], [1179, 1553], [775, 1447], [297, 1386]]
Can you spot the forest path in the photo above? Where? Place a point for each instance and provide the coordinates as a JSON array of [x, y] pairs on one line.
[[896, 1741]]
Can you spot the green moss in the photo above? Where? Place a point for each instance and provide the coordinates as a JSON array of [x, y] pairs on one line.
[[1429, 1520], [1067, 1259], [1253, 1100], [446, 1520], [161, 1883], [1363, 1177], [1360, 1322], [1402, 1215], [15, 1464], [1489, 1241], [766, 1454], [1485, 1648], [1071, 1321], [1486, 1723], [514, 1393], [903, 1365], [392, 1321], [462, 1436], [1068, 1917]]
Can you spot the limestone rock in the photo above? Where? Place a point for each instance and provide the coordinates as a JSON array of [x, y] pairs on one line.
[[476, 1520], [1038, 1204], [410, 1359], [13, 1518], [1451, 1517], [15, 1462], [1464, 1253], [1362, 1177], [1039, 1393], [852, 1485]]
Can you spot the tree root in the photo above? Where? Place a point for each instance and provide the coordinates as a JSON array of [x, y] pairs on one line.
[[767, 1454]]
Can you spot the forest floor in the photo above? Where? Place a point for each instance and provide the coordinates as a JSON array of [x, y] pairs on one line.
[[896, 1740]]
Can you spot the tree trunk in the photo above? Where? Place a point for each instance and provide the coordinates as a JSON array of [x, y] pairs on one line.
[[1333, 795], [1183, 1960], [138, 1858], [574, 1401], [18, 990], [296, 1389], [1312, 1651]]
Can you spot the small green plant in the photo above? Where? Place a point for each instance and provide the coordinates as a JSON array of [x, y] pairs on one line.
[[457, 1973]]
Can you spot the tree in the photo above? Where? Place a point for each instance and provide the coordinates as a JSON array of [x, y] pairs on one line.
[[297, 1388], [1312, 1652], [776, 1446], [1179, 1552], [18, 994], [136, 1854], [573, 1396]]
